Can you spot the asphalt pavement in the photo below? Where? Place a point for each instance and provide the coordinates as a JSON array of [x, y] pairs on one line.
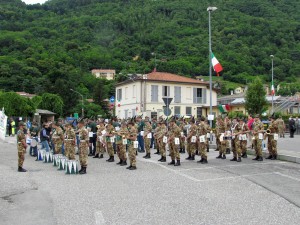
[[221, 192]]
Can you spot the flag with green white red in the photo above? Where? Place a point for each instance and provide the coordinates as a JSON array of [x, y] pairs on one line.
[[216, 65], [272, 89], [224, 108]]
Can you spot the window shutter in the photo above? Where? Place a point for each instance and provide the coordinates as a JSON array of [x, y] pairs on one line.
[[195, 95], [204, 96], [154, 93], [177, 95]]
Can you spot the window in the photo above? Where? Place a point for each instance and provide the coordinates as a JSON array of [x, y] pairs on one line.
[[177, 110], [126, 93], [166, 91], [199, 95], [199, 112], [119, 94], [188, 111], [154, 93], [133, 91], [133, 112], [177, 96], [126, 113], [189, 93]]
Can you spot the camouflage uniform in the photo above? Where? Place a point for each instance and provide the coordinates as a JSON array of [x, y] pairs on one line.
[[208, 130], [83, 146], [220, 129], [109, 131], [191, 148], [182, 137], [58, 140], [70, 138], [162, 145], [272, 144], [257, 126], [121, 148], [21, 149], [281, 127], [235, 142], [243, 143], [227, 128], [202, 131], [131, 151], [174, 132], [147, 130], [100, 145], [155, 135]]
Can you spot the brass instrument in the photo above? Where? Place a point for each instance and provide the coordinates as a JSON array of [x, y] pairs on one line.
[[268, 131]]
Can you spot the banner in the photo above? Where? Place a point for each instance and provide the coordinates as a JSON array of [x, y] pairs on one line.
[[3, 124]]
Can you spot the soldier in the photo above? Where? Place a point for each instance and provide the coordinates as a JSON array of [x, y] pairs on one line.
[[83, 146], [235, 142], [70, 142], [182, 137], [202, 133], [93, 138], [209, 134], [153, 144], [121, 148], [281, 126], [258, 129], [21, 146], [220, 130], [58, 138], [109, 141], [100, 143], [147, 131], [162, 146], [174, 132], [191, 140], [243, 143], [155, 136], [140, 128], [227, 122], [272, 141], [131, 137]]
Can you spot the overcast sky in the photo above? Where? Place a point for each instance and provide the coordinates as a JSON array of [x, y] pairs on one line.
[[34, 1]]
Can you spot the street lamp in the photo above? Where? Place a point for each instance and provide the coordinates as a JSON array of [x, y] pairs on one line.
[[209, 10], [272, 58], [82, 110]]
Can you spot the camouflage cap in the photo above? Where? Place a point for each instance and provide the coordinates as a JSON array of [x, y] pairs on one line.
[[21, 124]]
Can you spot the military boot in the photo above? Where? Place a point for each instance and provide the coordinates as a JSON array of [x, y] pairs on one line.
[[260, 159], [128, 167], [239, 159], [219, 157], [96, 156], [269, 157], [177, 163], [200, 161], [244, 155], [20, 169], [207, 149], [163, 159], [111, 159], [160, 159], [204, 161], [172, 162], [224, 156], [124, 163], [189, 158], [192, 157], [233, 159], [274, 157], [119, 163], [157, 152], [132, 168], [83, 171], [256, 158], [101, 156]]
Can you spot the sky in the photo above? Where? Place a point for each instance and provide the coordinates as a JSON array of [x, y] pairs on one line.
[[34, 1]]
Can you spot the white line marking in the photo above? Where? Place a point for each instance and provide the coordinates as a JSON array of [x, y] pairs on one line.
[[283, 175], [99, 218]]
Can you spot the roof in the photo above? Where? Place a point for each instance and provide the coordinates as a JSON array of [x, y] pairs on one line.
[[239, 101], [165, 77], [162, 76], [45, 112], [103, 71], [24, 94]]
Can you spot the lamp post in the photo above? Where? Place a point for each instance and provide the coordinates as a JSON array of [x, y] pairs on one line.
[[82, 110], [209, 10], [272, 59]]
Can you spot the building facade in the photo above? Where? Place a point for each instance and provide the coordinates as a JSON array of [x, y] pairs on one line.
[[104, 73], [144, 95]]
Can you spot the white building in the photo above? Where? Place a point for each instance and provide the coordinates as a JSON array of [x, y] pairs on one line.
[[104, 73], [143, 95]]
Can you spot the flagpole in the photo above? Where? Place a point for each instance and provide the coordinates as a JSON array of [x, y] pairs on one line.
[[210, 9], [272, 58]]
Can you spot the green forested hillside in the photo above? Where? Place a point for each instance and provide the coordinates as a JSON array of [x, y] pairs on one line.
[[52, 47]]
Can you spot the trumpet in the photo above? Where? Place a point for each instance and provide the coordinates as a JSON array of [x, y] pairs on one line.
[[268, 131]]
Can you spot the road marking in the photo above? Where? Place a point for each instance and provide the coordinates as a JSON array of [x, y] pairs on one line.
[[283, 175], [99, 218]]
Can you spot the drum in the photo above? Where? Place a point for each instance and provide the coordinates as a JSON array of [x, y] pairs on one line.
[[61, 162], [41, 154], [71, 167], [48, 157], [33, 143]]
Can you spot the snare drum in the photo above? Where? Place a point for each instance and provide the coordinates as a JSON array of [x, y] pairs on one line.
[[41, 154], [71, 167]]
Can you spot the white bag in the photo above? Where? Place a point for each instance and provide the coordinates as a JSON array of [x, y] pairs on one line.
[[276, 137], [142, 133], [260, 136], [208, 135], [193, 139], [124, 141], [244, 137], [117, 128], [149, 135], [177, 141], [112, 139], [135, 144], [165, 139], [202, 138], [91, 134]]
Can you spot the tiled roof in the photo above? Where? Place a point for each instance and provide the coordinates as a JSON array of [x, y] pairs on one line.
[[162, 76], [103, 71]]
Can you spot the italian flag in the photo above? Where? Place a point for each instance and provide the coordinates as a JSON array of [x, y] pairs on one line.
[[224, 108], [272, 89], [216, 65]]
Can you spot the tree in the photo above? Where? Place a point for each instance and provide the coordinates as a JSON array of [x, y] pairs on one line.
[[52, 102], [256, 102]]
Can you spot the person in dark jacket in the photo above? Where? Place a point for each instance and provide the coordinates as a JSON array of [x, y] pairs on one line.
[[292, 127]]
